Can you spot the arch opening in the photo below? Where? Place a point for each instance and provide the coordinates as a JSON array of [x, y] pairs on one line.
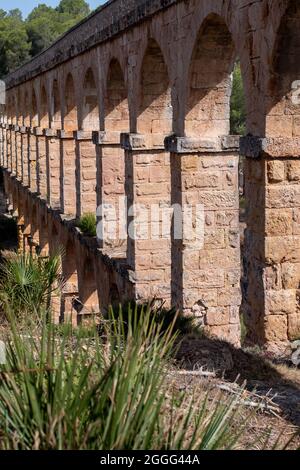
[[70, 108], [210, 80], [116, 101], [55, 106], [155, 111], [90, 108], [34, 110], [44, 118], [283, 100]]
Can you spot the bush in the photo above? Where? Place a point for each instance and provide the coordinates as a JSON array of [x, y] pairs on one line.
[[181, 324], [88, 225], [65, 393], [27, 282]]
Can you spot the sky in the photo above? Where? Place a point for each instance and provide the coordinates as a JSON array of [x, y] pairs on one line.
[[27, 5]]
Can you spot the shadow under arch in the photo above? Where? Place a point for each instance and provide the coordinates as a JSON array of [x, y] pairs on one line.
[[155, 111], [70, 119], [210, 81], [43, 111], [116, 99], [283, 93], [90, 106], [56, 114]]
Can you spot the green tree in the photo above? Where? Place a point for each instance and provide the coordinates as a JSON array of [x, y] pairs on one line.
[[14, 41], [42, 26], [74, 8], [238, 107], [45, 24]]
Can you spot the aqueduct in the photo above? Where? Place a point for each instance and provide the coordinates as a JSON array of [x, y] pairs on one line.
[[135, 101]]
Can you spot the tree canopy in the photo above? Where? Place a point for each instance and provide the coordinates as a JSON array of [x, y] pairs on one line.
[[21, 39]]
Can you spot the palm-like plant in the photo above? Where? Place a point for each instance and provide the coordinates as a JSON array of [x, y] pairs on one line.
[[66, 393], [27, 282]]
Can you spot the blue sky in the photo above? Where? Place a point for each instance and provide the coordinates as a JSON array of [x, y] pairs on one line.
[[27, 5]]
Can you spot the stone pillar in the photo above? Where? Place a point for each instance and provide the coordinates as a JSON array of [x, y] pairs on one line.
[[1, 145], [86, 172], [148, 184], [19, 162], [111, 188], [41, 162], [8, 147], [14, 150], [21, 246], [24, 156], [32, 148], [53, 168], [272, 240], [206, 255], [67, 172]]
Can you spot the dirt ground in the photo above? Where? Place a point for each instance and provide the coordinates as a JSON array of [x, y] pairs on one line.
[[211, 366]]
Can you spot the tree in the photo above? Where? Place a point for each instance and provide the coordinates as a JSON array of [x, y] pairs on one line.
[[14, 41], [42, 26], [45, 24], [74, 8]]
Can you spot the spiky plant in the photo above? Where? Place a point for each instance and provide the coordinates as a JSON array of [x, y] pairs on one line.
[[88, 224], [61, 392], [27, 282]]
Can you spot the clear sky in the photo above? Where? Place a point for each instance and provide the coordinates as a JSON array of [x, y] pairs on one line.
[[27, 5]]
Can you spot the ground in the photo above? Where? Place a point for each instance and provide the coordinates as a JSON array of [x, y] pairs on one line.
[[212, 365]]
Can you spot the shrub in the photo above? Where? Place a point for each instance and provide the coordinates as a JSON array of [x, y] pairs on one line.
[[66, 393], [88, 224], [27, 282], [181, 324]]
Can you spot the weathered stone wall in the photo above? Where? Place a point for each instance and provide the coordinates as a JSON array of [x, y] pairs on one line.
[[135, 101]]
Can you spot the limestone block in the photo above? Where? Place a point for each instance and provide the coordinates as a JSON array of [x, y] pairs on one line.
[[282, 302], [276, 328], [294, 326], [293, 171], [276, 171]]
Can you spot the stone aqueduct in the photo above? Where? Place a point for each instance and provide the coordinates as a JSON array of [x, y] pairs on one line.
[[135, 100]]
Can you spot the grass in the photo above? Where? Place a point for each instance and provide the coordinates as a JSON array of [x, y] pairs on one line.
[[182, 325], [62, 389], [61, 392], [88, 224]]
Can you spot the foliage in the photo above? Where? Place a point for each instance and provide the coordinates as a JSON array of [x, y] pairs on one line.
[[21, 39], [27, 282], [65, 393], [14, 42], [88, 224], [181, 324], [238, 106]]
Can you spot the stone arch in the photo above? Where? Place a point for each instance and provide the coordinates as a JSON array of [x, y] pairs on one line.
[[43, 111], [54, 238], [210, 80], [34, 225], [283, 93], [90, 106], [26, 109], [55, 106], [116, 99], [14, 109], [19, 107], [34, 109], [155, 107], [70, 266], [88, 287], [70, 105], [9, 110]]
